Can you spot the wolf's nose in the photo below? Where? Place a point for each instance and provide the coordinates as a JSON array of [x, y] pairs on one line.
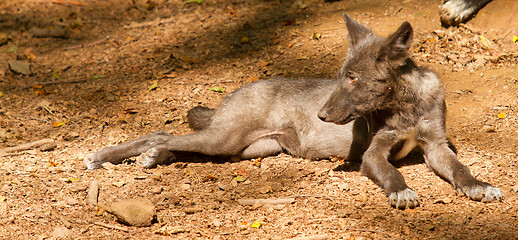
[[322, 115]]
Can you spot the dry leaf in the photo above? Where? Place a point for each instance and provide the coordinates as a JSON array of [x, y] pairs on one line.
[[264, 63]]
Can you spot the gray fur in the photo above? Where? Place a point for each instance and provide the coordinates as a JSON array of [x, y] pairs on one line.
[[381, 104], [403, 103], [258, 120]]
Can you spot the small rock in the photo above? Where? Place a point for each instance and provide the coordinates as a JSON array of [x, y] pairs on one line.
[[192, 210], [185, 186], [43, 104], [108, 166], [47, 147], [488, 129], [157, 190], [134, 212], [20, 67], [222, 186], [71, 201], [265, 189], [3, 133], [60, 233], [57, 32], [515, 188], [216, 223], [71, 136], [118, 183]]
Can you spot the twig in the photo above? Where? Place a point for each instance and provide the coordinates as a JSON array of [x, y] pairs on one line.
[[151, 23], [470, 29], [88, 45], [93, 194], [313, 237], [55, 82], [111, 226], [61, 2], [365, 230]]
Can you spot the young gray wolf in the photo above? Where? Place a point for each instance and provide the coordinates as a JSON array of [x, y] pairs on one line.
[[380, 107]]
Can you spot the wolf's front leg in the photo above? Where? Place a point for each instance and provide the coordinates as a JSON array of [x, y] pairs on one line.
[[444, 162], [116, 154], [376, 167]]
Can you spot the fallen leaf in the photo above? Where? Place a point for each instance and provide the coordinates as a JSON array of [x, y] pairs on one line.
[[264, 63], [52, 164], [317, 36], [1, 94], [41, 92], [218, 89], [153, 86], [209, 178], [253, 78], [97, 76], [12, 49], [502, 115], [55, 74], [193, 1], [257, 224], [485, 41], [71, 180], [244, 39], [239, 178], [288, 22], [515, 38], [301, 57], [130, 111], [37, 86], [59, 124]]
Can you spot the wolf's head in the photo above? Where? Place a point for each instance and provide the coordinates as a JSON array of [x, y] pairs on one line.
[[369, 74]]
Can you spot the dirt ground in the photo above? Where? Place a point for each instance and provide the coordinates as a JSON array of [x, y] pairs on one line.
[[105, 71]]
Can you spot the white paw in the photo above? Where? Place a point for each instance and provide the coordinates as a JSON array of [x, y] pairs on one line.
[[454, 12], [404, 199], [154, 156], [484, 193], [91, 162]]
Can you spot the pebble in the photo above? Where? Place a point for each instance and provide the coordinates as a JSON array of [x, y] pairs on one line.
[[185, 186], [515, 188], [157, 190], [19, 67], [71, 136], [108, 166], [48, 147], [134, 212], [192, 210], [60, 233], [216, 223]]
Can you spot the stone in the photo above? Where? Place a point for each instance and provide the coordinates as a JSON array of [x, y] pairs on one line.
[[134, 212], [19, 67]]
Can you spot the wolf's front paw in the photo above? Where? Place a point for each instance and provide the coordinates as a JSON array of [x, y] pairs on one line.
[[92, 161], [454, 12], [154, 156], [404, 199], [483, 192]]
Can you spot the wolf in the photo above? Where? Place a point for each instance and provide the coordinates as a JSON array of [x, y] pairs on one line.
[[378, 108]]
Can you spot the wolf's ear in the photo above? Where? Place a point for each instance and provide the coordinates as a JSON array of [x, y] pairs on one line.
[[357, 32], [396, 46]]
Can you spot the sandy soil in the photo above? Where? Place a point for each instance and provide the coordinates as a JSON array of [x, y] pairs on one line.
[[90, 84]]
